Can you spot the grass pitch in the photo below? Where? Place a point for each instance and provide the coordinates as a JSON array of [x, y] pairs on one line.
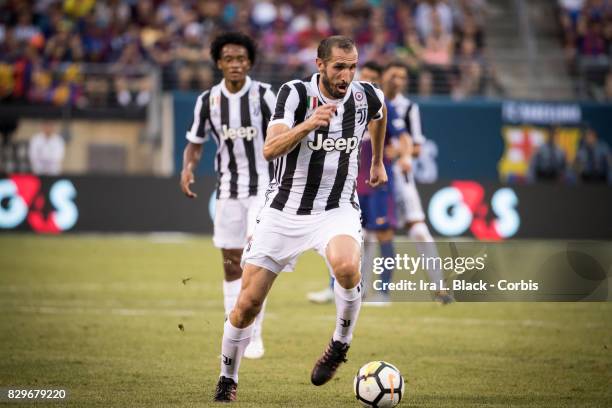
[[100, 316]]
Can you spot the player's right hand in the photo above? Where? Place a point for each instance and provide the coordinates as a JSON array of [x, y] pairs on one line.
[[321, 116], [186, 180]]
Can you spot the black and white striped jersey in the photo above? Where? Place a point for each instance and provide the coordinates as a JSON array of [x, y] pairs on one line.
[[409, 111], [319, 173], [237, 123]]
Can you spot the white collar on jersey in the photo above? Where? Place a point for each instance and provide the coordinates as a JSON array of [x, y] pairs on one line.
[[242, 91], [314, 82]]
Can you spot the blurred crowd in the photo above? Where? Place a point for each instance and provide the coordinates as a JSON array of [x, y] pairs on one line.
[[44, 43], [587, 38], [592, 162]]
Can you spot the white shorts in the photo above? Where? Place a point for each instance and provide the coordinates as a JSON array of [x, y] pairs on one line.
[[280, 238], [235, 220], [407, 200]]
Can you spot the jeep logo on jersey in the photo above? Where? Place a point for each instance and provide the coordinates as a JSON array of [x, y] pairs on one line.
[[329, 144], [247, 133]]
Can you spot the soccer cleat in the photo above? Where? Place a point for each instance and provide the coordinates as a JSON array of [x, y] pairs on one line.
[[226, 390], [255, 349], [443, 297], [328, 363], [323, 296]]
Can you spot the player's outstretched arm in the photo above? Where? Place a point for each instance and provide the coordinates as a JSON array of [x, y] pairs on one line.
[[281, 139], [191, 158], [378, 174]]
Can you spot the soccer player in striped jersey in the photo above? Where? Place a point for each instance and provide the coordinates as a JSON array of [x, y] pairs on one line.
[[314, 138], [377, 204], [410, 211], [235, 112]]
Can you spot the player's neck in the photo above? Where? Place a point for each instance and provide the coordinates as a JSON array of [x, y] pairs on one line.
[[235, 86]]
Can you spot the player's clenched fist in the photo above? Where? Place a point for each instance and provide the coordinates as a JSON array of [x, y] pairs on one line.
[[321, 116], [378, 175], [186, 180]]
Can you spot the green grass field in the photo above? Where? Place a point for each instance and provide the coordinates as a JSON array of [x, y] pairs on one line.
[[99, 316]]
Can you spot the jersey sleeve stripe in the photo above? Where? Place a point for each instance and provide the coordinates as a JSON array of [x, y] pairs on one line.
[[197, 130], [300, 112], [204, 114], [281, 101], [374, 103]]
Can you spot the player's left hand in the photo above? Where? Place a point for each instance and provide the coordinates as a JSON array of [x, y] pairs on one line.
[[378, 175]]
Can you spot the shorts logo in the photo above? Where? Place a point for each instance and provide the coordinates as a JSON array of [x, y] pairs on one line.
[[247, 133], [341, 144]]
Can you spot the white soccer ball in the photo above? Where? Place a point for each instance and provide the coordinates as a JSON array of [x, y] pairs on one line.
[[379, 384]]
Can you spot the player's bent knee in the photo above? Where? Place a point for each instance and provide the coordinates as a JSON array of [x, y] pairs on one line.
[[347, 272], [245, 311]]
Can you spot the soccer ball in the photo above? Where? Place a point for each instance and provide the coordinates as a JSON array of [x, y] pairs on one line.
[[379, 384]]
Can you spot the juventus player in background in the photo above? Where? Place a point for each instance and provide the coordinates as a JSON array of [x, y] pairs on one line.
[[236, 113], [410, 211], [314, 138]]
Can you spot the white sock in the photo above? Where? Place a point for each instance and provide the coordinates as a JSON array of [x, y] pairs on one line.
[[231, 290], [258, 324], [234, 342], [348, 303], [425, 245]]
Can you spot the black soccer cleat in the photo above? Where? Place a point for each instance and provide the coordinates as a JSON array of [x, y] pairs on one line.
[[328, 363], [226, 390]]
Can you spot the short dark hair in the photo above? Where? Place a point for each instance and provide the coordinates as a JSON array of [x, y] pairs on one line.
[[373, 66], [236, 38], [340, 41], [395, 64]]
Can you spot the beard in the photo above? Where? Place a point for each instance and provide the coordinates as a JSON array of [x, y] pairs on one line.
[[330, 88]]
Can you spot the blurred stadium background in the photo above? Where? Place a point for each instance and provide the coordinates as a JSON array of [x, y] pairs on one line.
[[113, 84]]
